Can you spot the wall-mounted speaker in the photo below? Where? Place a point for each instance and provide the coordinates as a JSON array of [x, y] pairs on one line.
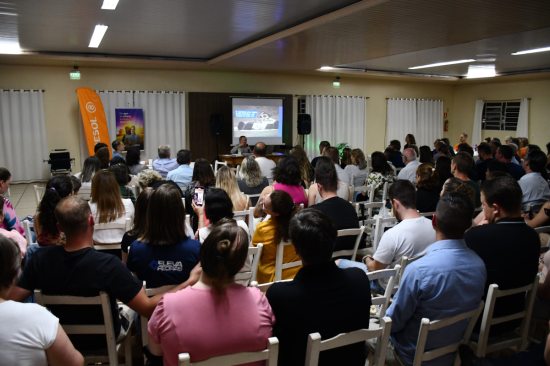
[[216, 124], [304, 124]]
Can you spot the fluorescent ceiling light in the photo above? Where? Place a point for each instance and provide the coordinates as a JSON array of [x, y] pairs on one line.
[[534, 50], [442, 64], [481, 71], [99, 32], [326, 68], [109, 4], [10, 47]]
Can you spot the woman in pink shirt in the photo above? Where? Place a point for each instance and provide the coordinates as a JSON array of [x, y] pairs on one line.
[[215, 316]]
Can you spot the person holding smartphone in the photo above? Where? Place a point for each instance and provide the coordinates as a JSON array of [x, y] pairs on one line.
[[203, 178]]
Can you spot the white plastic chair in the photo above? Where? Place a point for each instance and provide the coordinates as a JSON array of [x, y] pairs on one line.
[[150, 292], [358, 233], [27, 226], [426, 326], [315, 345], [123, 226], [217, 164], [263, 287], [248, 275], [520, 341], [383, 301], [269, 354], [380, 224], [106, 328], [279, 265], [38, 193]]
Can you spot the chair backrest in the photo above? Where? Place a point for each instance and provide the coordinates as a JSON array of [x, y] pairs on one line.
[[270, 354], [544, 230], [150, 292], [364, 209], [38, 193], [426, 326], [279, 265], [249, 274], [315, 345], [520, 342], [385, 190], [241, 215], [265, 286], [106, 328], [27, 226], [85, 192], [405, 261], [124, 226], [390, 275], [217, 164], [379, 226], [357, 233]]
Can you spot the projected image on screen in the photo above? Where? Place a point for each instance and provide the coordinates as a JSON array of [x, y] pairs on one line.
[[258, 120]]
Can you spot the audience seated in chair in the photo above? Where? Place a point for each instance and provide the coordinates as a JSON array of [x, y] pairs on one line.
[[448, 280], [79, 270], [225, 179], [341, 213], [509, 248], [139, 223], [164, 254], [321, 298], [183, 174], [30, 334], [461, 166], [411, 164], [12, 234], [164, 163], [251, 179], [411, 237], [215, 316], [122, 176], [534, 184], [280, 208], [10, 220]]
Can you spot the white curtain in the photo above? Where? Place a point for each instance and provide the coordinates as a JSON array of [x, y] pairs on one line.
[[337, 119], [23, 143], [523, 119], [420, 117], [164, 114], [113, 99], [478, 116]]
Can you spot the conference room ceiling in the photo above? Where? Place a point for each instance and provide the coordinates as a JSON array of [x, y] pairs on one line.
[[364, 37]]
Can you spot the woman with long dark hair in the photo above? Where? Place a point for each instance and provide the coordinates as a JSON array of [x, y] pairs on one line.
[[164, 254], [191, 320], [45, 224], [202, 180], [381, 173], [133, 161], [139, 223], [280, 208], [427, 188]]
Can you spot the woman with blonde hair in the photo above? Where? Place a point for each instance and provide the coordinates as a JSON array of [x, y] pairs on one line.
[[225, 179], [251, 180], [306, 169], [108, 206]]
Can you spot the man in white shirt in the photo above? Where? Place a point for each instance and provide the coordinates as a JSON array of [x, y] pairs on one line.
[[409, 238], [411, 164], [534, 187], [266, 165]]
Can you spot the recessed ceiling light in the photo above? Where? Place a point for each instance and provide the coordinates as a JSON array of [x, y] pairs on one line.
[[99, 32], [442, 64], [109, 4], [9, 47], [534, 50], [481, 71]]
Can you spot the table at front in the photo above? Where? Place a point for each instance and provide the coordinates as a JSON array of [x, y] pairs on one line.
[[234, 160]]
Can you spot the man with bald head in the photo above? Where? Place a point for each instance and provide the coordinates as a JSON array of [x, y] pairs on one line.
[[411, 164], [266, 165], [78, 269]]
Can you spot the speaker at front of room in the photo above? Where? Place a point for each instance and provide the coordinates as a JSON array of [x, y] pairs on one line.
[[216, 124], [304, 124]]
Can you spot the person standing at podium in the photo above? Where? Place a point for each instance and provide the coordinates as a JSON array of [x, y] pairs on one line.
[[242, 147]]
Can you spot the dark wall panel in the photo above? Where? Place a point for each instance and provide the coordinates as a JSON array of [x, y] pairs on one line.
[[203, 106]]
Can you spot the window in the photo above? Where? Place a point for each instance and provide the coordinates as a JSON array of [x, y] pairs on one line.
[[301, 105], [500, 115]]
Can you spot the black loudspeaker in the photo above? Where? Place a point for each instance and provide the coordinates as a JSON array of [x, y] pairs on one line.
[[216, 124], [304, 124]]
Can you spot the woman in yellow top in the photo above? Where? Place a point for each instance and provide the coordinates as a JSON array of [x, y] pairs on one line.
[[280, 208]]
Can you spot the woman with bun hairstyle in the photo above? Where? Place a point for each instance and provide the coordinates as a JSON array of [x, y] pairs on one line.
[[190, 320]]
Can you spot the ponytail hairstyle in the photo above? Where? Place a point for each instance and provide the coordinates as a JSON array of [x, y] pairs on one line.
[[223, 253], [58, 187], [284, 208]]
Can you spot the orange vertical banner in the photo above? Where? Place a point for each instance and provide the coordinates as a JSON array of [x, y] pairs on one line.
[[93, 118]]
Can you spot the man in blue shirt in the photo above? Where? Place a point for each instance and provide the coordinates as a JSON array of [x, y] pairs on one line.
[[164, 164], [448, 280], [182, 175]]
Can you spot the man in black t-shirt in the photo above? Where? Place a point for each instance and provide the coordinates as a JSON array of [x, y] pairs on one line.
[[508, 247], [78, 269], [341, 212], [322, 297]]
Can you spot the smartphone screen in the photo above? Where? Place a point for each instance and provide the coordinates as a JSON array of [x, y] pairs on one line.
[[198, 197]]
